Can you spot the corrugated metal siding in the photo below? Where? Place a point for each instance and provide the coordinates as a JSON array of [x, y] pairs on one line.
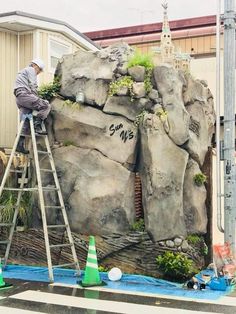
[[8, 66]]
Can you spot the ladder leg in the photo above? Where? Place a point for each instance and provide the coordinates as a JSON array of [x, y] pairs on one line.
[[65, 217], [17, 206], [41, 200], [11, 158]]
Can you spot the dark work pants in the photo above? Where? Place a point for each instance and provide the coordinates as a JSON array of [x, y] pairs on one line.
[[27, 102]]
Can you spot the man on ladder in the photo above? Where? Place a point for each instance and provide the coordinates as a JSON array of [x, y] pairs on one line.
[[27, 100]]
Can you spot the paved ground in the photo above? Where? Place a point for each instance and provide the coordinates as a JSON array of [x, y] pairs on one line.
[[34, 297]]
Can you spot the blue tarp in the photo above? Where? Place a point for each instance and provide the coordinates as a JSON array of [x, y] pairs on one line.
[[128, 282]]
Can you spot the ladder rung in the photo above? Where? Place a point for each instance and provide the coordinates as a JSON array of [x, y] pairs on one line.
[[43, 152], [57, 226], [36, 134], [50, 188], [4, 242], [47, 170], [23, 189], [60, 245], [51, 206], [25, 181], [17, 171], [5, 224], [64, 265], [42, 135], [4, 206]]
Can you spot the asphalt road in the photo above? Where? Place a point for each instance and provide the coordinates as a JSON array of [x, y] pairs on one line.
[[34, 297]]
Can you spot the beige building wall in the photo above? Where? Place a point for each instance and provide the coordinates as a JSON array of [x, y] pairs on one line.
[[44, 40], [192, 45], [205, 69], [25, 49], [16, 52], [8, 66]]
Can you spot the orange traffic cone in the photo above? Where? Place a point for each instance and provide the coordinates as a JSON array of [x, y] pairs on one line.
[[91, 276]]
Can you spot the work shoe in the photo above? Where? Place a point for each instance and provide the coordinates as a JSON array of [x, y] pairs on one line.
[[20, 146], [38, 126]]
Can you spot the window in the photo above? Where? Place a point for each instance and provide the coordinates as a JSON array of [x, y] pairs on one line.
[[56, 50]]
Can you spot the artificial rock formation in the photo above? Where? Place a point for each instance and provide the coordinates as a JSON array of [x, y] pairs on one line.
[[163, 167], [111, 137]]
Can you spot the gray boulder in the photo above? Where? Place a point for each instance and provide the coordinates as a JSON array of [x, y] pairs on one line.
[[198, 143], [123, 106], [170, 86], [162, 169], [194, 201], [196, 90], [115, 137], [199, 104], [99, 192], [137, 73], [91, 72], [139, 90]]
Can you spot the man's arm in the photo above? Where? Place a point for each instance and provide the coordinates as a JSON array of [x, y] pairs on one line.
[[32, 79]]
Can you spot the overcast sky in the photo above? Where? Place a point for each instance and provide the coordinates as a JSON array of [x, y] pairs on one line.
[[89, 15]]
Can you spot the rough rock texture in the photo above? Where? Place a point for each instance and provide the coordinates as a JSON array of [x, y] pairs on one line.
[[98, 148], [125, 107], [137, 73], [178, 122], [91, 72], [199, 104], [162, 173], [170, 86], [99, 192], [114, 136], [194, 201]]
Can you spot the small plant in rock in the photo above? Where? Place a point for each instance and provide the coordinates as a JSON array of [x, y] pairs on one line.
[[162, 114], [72, 104], [175, 265], [147, 81], [138, 225], [139, 58], [68, 143], [193, 239], [199, 179], [146, 61], [139, 118], [125, 81], [48, 91], [198, 242]]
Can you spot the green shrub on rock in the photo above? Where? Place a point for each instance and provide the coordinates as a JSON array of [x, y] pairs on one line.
[[138, 225], [199, 179], [142, 59], [48, 91], [145, 60], [175, 265], [125, 81]]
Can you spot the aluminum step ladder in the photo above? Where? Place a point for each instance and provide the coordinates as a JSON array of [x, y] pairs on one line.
[[41, 190]]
